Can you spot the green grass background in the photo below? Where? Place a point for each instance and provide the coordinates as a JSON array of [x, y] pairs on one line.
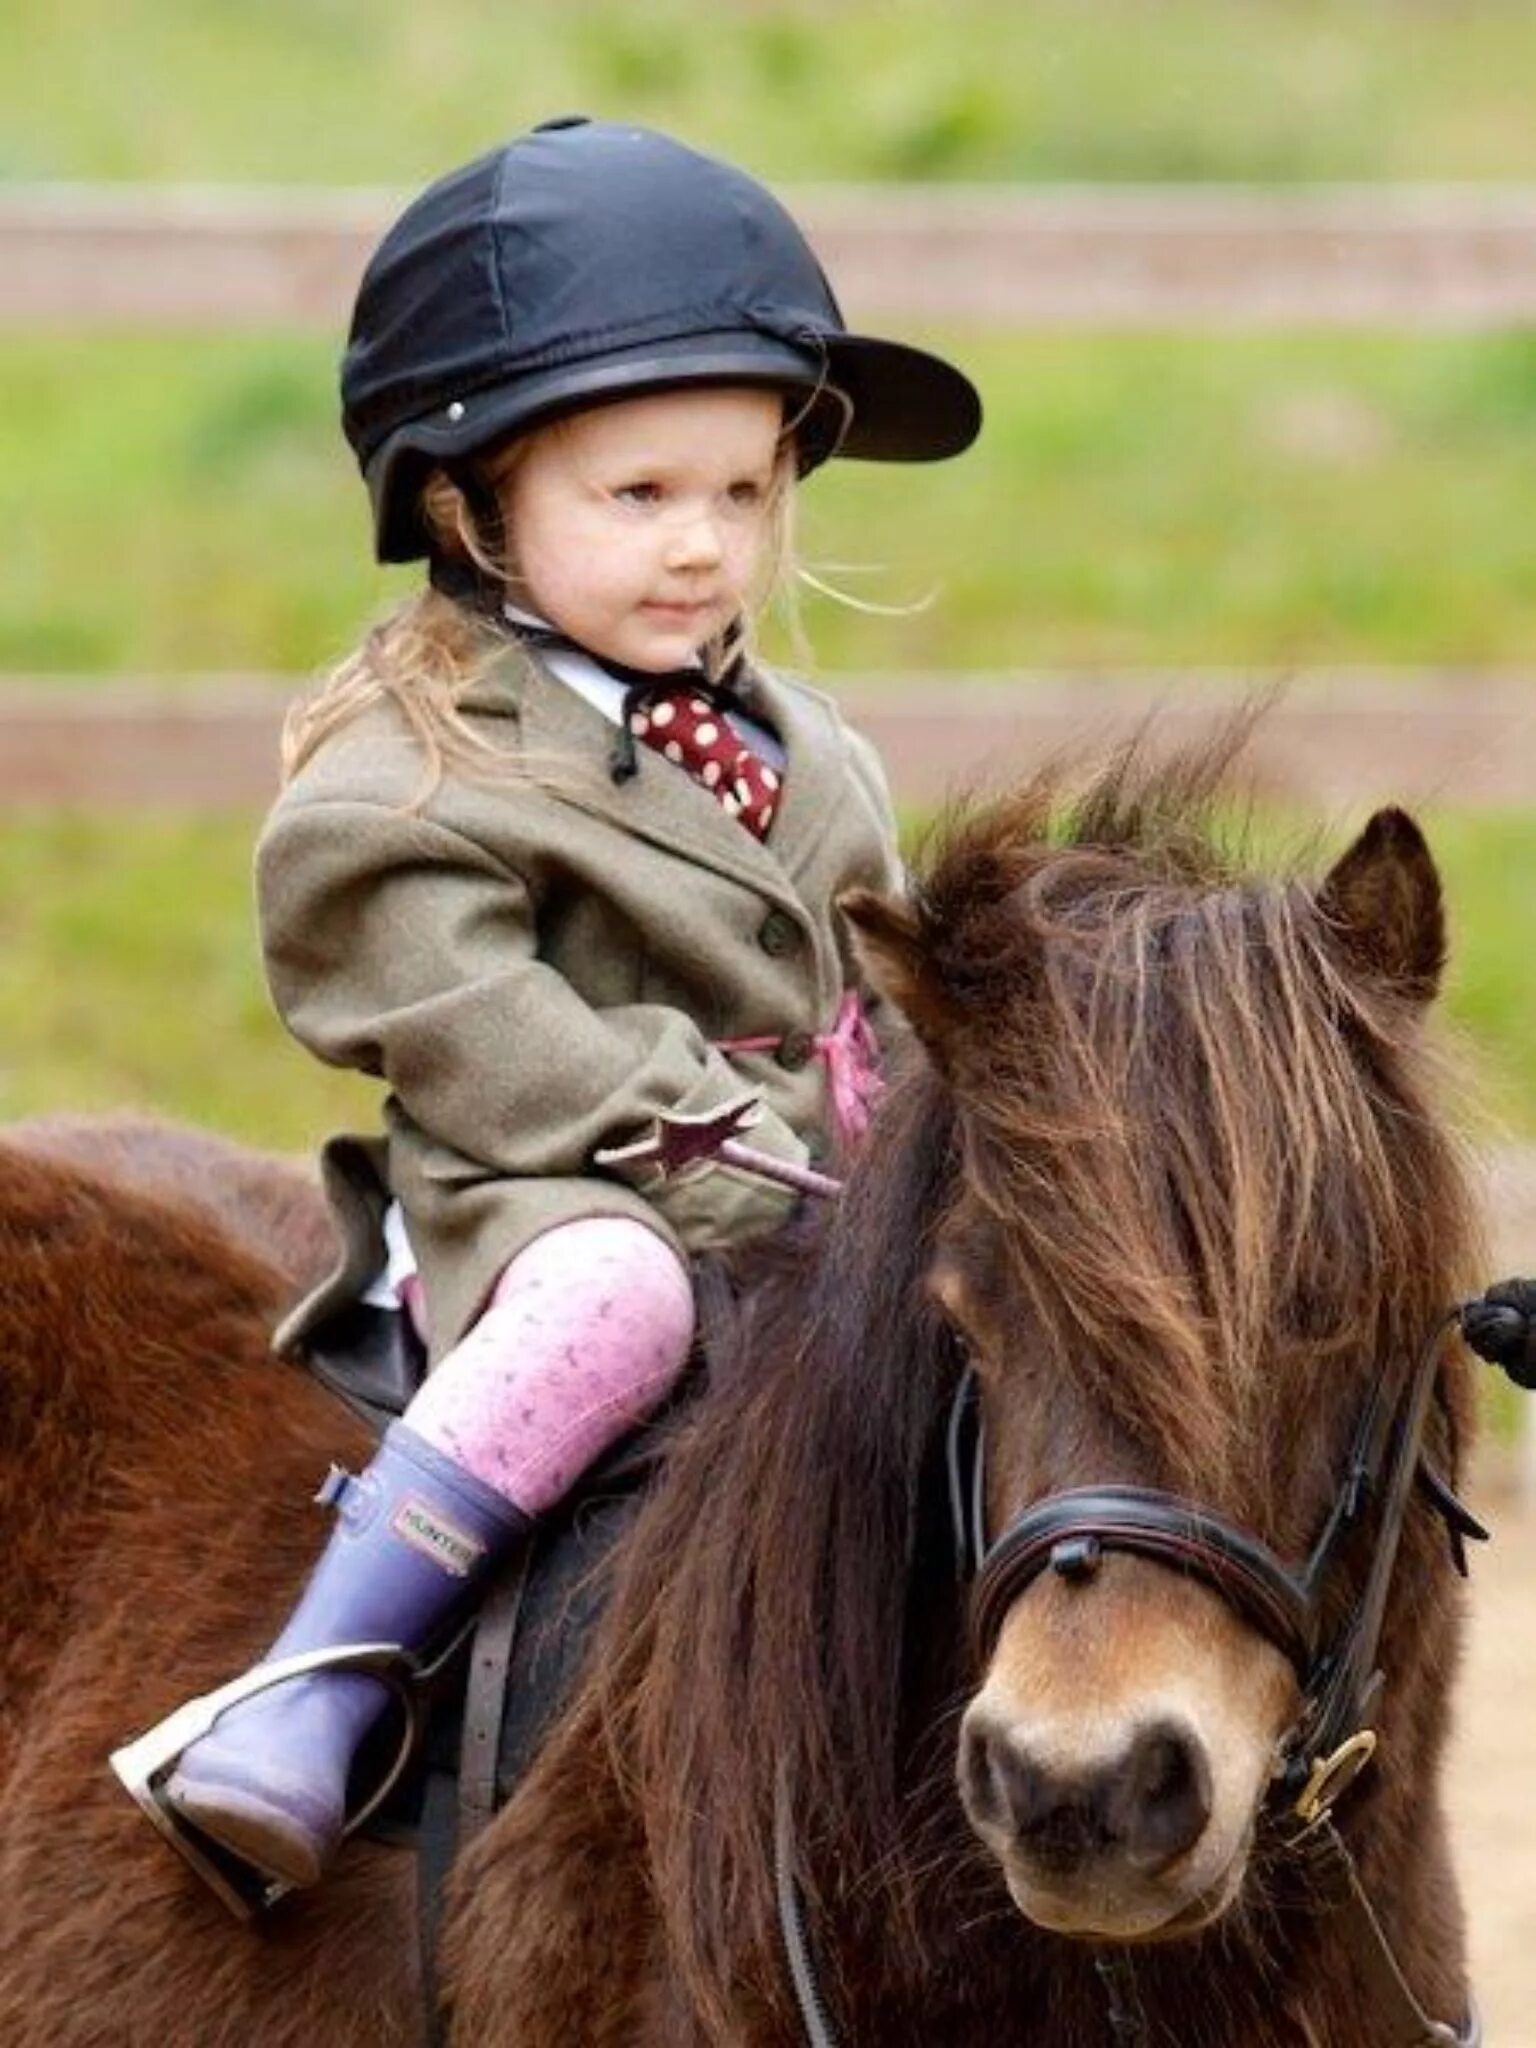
[[185, 504], [391, 91]]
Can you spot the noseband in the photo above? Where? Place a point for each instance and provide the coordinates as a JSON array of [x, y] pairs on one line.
[[1330, 1741]]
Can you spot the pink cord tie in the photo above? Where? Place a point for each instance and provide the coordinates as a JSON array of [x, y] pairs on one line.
[[851, 1052]]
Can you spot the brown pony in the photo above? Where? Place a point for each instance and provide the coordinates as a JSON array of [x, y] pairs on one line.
[[1167, 1170]]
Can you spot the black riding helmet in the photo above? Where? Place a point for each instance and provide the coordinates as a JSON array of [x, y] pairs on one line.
[[588, 260]]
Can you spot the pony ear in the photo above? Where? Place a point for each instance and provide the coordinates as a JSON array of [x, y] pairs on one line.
[[1384, 902], [888, 939]]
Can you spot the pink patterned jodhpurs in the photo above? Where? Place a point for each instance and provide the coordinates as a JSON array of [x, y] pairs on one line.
[[586, 1332]]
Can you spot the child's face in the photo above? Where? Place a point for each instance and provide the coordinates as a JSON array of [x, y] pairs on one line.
[[639, 528]]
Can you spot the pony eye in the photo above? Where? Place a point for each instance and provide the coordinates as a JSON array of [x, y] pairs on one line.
[[945, 1291], [956, 1340]]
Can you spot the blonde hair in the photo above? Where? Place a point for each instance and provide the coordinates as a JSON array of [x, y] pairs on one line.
[[427, 654]]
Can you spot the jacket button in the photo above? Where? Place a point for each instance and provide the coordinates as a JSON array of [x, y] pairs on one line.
[[795, 1050], [777, 934]]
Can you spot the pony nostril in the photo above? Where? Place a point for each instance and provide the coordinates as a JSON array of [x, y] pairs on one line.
[[1161, 1801], [983, 1787], [1057, 1821]]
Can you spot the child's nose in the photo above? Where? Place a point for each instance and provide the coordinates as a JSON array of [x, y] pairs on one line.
[[696, 541]]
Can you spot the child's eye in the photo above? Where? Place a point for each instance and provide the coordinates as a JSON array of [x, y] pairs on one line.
[[641, 493], [746, 493]]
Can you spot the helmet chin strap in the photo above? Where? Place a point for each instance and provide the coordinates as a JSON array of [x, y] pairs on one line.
[[461, 577]]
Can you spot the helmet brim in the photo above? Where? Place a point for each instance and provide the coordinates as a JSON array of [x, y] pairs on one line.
[[908, 405]]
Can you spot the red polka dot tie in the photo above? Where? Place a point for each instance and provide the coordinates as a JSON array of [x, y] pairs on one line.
[[684, 726]]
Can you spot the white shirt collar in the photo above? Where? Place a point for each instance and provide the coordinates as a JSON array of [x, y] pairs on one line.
[[574, 667]]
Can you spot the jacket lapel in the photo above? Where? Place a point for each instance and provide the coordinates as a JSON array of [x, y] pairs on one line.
[[560, 731]]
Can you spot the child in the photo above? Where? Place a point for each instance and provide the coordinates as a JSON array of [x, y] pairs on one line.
[[554, 857]]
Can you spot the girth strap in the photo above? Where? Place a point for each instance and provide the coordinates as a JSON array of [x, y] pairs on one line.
[[485, 1694]]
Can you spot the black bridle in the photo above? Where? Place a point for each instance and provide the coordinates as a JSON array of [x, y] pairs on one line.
[[1331, 1739]]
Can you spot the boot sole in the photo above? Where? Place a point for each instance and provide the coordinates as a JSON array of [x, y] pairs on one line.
[[260, 1835]]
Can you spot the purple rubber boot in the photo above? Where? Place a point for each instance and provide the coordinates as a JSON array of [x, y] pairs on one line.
[[414, 1535]]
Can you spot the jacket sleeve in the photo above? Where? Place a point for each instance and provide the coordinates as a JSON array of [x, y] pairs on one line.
[[396, 946]]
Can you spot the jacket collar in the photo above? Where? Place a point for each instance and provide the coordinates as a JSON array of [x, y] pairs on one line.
[[662, 804]]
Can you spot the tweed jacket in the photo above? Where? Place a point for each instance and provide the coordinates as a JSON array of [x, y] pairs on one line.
[[536, 961]]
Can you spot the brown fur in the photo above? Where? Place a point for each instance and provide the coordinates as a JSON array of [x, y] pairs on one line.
[[154, 1468], [1174, 1135]]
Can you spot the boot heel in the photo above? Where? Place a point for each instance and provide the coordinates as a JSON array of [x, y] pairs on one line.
[[144, 1765]]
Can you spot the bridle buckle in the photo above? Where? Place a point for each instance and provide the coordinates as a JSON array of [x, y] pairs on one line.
[[1331, 1776]]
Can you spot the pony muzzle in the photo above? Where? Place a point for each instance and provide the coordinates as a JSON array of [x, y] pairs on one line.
[[1120, 1749]]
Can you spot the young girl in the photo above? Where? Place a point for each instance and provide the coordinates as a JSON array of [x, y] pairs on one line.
[[554, 857]]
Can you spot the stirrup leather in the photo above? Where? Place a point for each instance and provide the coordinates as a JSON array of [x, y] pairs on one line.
[[143, 1765]]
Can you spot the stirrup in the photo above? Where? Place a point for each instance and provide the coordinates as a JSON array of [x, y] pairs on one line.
[[143, 1765]]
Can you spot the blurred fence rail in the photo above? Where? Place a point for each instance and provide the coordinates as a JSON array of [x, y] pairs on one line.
[[1462, 738], [1419, 256]]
